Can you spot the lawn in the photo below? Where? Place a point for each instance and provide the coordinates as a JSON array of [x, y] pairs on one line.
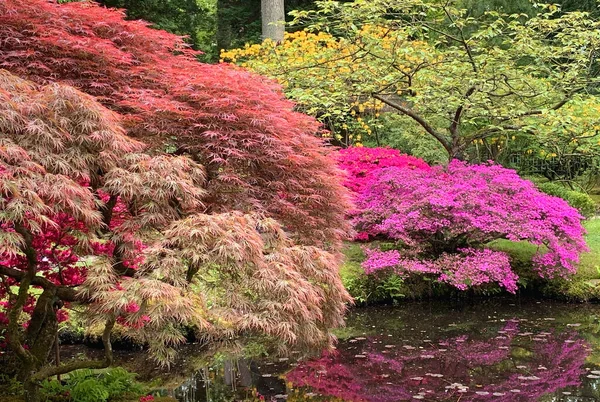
[[583, 286], [588, 274]]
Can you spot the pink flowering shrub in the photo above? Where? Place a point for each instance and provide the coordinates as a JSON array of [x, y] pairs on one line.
[[360, 163], [442, 218]]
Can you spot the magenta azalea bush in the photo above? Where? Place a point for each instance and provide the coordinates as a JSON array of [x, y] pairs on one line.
[[441, 220], [360, 163]]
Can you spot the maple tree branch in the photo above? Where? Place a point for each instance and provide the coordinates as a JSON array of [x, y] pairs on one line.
[[419, 119], [17, 304], [107, 210], [65, 293]]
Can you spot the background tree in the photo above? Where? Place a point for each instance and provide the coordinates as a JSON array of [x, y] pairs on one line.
[[458, 78], [194, 19], [239, 21], [222, 24], [273, 19]]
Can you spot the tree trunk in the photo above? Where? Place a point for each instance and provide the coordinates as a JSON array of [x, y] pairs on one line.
[[223, 34], [31, 391], [40, 337], [273, 19], [43, 327]]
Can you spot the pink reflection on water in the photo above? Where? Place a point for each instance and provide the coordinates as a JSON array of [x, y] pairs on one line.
[[509, 366]]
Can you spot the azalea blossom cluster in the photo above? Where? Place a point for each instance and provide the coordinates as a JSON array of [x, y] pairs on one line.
[[360, 163], [442, 218], [468, 267]]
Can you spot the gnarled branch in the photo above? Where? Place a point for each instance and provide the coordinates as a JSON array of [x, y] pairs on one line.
[[419, 119]]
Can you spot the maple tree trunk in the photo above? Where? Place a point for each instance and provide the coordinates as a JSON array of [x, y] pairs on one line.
[[32, 391], [273, 19], [42, 329], [40, 337]]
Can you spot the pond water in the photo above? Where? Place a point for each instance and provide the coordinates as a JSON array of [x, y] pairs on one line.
[[493, 350]]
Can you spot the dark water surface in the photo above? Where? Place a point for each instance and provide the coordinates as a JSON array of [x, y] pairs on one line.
[[492, 350]]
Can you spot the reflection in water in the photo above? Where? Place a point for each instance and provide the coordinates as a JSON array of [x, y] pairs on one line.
[[537, 352], [507, 366]]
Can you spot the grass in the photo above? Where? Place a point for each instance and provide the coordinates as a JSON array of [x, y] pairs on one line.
[[586, 283], [583, 286]]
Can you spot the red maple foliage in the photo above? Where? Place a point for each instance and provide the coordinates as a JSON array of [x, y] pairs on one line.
[[216, 169], [260, 155], [93, 217]]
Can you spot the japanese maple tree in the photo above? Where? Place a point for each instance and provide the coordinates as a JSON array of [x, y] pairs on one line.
[[258, 153], [94, 218]]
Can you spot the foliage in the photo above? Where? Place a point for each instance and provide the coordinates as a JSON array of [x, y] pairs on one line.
[[9, 385], [582, 201], [441, 219], [196, 19], [239, 21], [568, 150], [459, 79], [236, 231], [585, 284], [371, 289], [361, 162], [224, 118], [398, 132], [93, 386]]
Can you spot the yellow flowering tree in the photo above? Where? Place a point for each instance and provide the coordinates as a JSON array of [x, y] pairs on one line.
[[332, 77], [460, 80]]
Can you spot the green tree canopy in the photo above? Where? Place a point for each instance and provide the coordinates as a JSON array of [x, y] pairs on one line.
[[457, 78]]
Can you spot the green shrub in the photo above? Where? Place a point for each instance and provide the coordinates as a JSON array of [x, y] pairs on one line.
[[582, 201], [9, 385], [93, 386]]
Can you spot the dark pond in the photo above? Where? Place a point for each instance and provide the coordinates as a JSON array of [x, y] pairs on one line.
[[498, 350]]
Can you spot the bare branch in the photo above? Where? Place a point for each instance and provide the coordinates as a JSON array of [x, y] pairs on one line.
[[462, 40], [459, 111], [65, 293], [17, 304], [540, 111], [490, 131], [416, 117]]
